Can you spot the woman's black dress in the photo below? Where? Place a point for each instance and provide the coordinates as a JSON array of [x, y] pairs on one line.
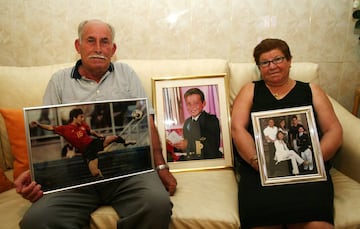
[[282, 204]]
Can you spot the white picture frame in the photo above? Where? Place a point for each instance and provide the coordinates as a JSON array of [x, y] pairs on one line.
[[274, 171], [57, 167]]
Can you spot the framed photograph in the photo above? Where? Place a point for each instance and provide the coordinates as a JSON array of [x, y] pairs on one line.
[[80, 144], [192, 116], [288, 147]]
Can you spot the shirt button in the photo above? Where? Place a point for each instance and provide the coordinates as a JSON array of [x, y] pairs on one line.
[[97, 91]]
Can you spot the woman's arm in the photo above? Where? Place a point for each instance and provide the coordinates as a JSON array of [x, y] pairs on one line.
[[240, 116], [329, 124], [278, 145]]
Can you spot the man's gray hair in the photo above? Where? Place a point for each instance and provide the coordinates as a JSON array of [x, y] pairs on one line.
[[83, 23]]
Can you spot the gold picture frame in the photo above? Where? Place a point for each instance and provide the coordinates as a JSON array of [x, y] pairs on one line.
[[297, 160], [210, 150]]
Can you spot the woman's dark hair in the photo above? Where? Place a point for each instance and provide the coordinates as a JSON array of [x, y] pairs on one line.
[[279, 132], [271, 44], [74, 113]]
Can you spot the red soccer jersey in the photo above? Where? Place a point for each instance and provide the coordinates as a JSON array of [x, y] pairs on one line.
[[78, 136]]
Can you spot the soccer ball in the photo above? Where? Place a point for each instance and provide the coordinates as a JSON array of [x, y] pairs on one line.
[[137, 114]]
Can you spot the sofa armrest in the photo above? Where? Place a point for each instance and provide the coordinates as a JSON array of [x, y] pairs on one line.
[[347, 159]]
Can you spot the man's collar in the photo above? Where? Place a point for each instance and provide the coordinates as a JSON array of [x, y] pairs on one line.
[[75, 71], [197, 117]]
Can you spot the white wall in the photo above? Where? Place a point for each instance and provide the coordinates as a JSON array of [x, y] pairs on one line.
[[41, 32]]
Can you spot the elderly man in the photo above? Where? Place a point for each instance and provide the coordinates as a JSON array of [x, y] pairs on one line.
[[142, 201]]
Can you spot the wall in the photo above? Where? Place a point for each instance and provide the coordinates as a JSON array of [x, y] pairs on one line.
[[41, 32]]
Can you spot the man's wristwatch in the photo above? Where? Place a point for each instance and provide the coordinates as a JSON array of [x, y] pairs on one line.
[[161, 167]]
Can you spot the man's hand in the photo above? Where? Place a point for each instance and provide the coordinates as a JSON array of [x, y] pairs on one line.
[[28, 189], [34, 124], [181, 144], [168, 181]]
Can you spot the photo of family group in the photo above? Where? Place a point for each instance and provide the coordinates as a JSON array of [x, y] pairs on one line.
[[288, 146], [84, 143]]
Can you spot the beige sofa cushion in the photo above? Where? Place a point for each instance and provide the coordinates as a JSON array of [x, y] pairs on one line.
[[33, 81], [16, 95], [242, 73], [36, 78], [164, 68], [200, 192], [348, 157], [204, 199], [12, 208], [188, 202], [6, 159], [346, 200]]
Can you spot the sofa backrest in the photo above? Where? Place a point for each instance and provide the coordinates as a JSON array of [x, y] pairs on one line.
[[24, 86], [146, 69], [242, 73]]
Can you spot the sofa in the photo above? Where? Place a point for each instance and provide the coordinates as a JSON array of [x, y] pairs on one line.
[[204, 198]]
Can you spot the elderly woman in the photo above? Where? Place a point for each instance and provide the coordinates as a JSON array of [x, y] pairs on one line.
[[276, 206]]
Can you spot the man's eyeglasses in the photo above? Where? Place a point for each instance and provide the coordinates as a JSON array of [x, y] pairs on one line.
[[276, 60]]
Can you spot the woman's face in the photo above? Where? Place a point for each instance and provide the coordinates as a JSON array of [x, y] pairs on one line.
[[275, 74], [280, 136], [282, 123]]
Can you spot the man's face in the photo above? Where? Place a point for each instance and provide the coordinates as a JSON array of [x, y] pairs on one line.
[[194, 104], [96, 47], [295, 121], [271, 122], [79, 119]]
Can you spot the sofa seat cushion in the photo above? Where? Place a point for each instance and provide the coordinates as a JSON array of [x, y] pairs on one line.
[[204, 199], [12, 209], [346, 200], [104, 217], [214, 186], [5, 183]]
